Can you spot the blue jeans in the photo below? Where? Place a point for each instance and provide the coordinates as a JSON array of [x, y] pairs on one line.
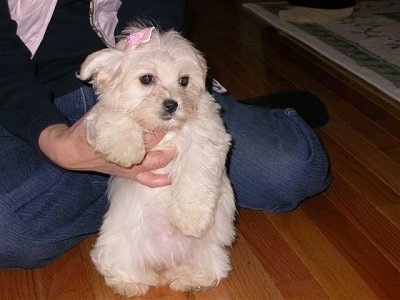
[[276, 161]]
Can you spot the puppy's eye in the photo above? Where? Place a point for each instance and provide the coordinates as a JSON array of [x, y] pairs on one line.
[[184, 81], [147, 79]]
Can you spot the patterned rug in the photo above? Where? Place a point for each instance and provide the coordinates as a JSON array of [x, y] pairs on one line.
[[367, 44]]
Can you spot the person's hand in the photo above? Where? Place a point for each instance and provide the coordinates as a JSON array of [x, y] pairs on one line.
[[67, 147]]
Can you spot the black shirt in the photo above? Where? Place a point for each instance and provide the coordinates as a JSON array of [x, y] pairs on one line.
[[62, 51], [28, 86]]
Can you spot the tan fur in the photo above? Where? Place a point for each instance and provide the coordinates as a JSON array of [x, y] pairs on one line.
[[179, 234]]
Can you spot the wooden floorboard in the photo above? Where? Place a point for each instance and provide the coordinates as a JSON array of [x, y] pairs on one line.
[[341, 244]]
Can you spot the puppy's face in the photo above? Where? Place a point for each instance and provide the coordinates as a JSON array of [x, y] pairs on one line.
[[159, 83]]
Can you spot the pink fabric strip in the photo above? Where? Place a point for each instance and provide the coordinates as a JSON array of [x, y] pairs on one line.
[[138, 37]]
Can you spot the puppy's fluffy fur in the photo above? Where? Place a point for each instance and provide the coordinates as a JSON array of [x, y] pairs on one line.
[[178, 234]]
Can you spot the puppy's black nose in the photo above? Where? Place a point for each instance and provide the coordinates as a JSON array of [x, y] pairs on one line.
[[170, 105]]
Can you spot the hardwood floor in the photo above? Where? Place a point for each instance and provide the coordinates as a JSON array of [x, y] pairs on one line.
[[342, 244]]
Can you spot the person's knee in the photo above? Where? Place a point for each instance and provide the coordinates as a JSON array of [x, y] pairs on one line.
[[291, 183], [21, 247], [302, 180], [28, 254], [16, 253], [277, 177]]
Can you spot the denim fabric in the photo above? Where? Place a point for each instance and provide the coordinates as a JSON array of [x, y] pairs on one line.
[[45, 210], [276, 161]]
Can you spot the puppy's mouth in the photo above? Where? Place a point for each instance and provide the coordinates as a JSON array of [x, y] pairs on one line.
[[167, 116]]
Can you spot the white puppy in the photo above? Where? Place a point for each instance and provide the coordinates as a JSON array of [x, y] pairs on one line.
[[178, 234]]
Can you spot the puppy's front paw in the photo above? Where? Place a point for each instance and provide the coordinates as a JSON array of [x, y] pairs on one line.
[[190, 220], [124, 154], [116, 137]]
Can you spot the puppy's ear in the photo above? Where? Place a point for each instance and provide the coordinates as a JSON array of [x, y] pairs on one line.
[[107, 60], [201, 61], [200, 73]]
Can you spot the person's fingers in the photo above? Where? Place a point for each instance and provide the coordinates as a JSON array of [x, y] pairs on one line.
[[143, 172], [157, 159], [154, 160], [153, 180], [152, 139]]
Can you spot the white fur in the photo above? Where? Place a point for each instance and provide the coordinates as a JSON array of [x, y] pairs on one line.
[[179, 234]]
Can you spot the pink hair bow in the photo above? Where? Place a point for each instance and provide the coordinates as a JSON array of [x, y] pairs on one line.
[[138, 37]]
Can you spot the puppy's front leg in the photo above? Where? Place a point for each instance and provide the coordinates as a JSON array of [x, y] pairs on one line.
[[115, 135], [197, 184]]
